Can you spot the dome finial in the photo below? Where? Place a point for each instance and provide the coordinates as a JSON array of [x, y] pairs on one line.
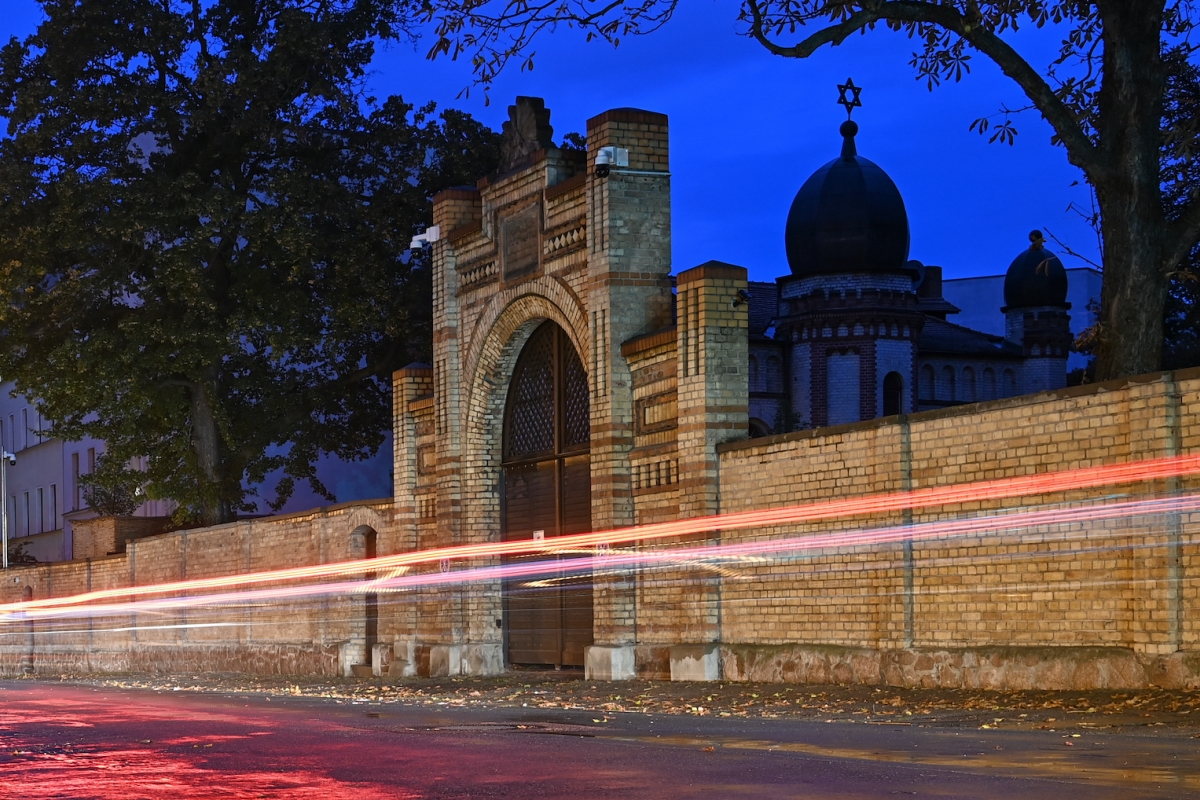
[[848, 96], [1036, 238], [852, 102], [848, 130]]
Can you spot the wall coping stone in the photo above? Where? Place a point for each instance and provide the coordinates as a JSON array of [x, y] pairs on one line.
[[564, 187], [712, 270], [648, 341], [1085, 390], [633, 115]]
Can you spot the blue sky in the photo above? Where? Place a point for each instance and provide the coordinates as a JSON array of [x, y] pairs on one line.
[[747, 128]]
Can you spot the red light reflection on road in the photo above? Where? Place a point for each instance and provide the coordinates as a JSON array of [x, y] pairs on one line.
[[52, 751]]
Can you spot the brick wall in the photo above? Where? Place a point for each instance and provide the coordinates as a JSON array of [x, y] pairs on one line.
[[322, 635], [1103, 584]]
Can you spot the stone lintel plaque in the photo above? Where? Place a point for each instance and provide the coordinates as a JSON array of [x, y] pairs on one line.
[[521, 242]]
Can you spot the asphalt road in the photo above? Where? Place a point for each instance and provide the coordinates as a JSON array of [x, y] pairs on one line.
[[61, 741]]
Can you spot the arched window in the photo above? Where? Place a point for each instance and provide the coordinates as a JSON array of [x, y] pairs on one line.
[[1010, 383], [758, 428], [927, 383], [968, 385], [893, 394], [989, 383], [946, 389], [774, 375]]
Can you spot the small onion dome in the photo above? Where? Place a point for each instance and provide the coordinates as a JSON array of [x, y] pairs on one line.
[[848, 217], [1035, 278]]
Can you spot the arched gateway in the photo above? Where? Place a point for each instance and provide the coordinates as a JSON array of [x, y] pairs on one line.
[[547, 493]]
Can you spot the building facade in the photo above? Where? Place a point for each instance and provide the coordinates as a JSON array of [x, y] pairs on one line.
[[577, 385]]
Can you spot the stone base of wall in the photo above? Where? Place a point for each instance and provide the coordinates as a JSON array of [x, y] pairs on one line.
[[995, 668], [265, 659]]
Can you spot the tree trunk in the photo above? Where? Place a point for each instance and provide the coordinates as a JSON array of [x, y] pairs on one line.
[[206, 442], [1129, 192]]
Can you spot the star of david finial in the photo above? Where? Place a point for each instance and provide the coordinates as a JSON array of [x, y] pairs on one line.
[[848, 96]]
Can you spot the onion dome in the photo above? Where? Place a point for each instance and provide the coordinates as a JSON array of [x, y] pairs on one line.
[[1036, 278], [848, 217]]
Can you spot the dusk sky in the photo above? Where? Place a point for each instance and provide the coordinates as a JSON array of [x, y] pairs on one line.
[[747, 128]]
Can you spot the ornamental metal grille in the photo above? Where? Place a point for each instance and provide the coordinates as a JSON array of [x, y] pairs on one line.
[[530, 428], [549, 388], [577, 424]]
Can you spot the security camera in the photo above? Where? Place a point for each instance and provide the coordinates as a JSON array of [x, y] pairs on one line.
[[742, 297], [609, 157], [431, 235], [10, 458], [603, 163]]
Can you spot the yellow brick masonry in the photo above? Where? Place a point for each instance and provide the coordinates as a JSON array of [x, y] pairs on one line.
[[318, 637], [1107, 585]]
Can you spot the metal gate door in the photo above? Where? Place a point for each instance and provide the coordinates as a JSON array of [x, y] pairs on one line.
[[547, 493]]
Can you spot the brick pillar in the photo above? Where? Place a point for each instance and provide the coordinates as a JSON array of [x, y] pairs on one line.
[[452, 209], [629, 293], [407, 384], [713, 388], [713, 407]]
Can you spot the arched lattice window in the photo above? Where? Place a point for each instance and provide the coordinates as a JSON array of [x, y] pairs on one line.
[[548, 409], [968, 385]]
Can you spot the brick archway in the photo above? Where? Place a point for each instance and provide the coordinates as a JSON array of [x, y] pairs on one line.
[[490, 364]]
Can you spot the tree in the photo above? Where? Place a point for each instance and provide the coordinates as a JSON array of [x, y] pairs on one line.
[[112, 489], [204, 229], [1180, 177], [1103, 96]]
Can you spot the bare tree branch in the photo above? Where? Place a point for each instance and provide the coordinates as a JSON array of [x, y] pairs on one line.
[[1185, 231], [1080, 149]]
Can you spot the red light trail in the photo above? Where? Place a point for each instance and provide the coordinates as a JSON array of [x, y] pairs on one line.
[[616, 561], [1042, 483]]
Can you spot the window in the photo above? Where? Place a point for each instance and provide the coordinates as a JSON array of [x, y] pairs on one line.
[[1010, 383], [25, 527], [968, 385], [927, 383], [753, 374], [893, 394], [54, 507], [774, 375], [74, 481], [758, 429], [91, 460], [947, 388], [989, 384], [24, 428], [41, 510]]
